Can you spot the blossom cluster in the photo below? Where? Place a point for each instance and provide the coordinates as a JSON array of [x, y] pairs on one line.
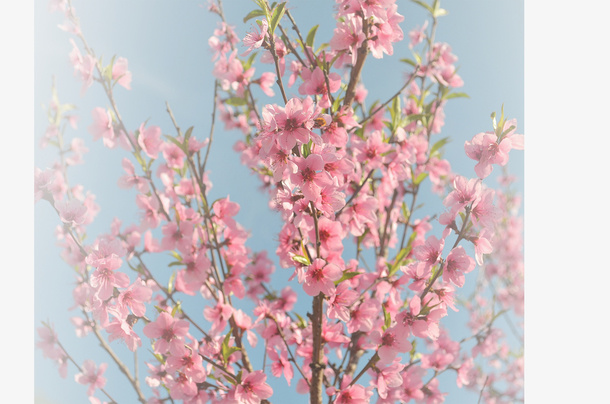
[[338, 175]]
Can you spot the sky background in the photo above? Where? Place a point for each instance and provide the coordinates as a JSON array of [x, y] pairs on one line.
[[557, 120]]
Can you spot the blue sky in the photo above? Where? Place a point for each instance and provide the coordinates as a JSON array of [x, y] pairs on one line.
[[490, 47]]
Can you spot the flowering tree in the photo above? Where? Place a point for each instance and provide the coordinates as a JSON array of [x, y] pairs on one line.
[[374, 276]]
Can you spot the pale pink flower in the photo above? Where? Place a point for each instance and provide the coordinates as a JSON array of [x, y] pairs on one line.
[[218, 315], [340, 301], [321, 277], [121, 74], [292, 123], [92, 376], [121, 329], [253, 388], [135, 296], [130, 179], [71, 212], [417, 35], [281, 364], [255, 38], [391, 342], [150, 140], [388, 376], [168, 331], [431, 251], [310, 177], [103, 127], [104, 280], [355, 394], [457, 264]]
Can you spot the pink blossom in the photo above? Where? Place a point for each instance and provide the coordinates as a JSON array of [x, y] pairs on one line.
[[340, 301], [320, 277], [130, 179], [168, 331], [417, 35], [186, 359], [281, 364], [431, 251], [314, 83], [292, 123], [121, 74], [363, 316], [92, 376], [181, 387], [104, 280], [266, 82], [150, 141], [255, 38], [457, 264], [391, 342], [135, 296], [103, 127], [121, 329], [355, 394], [310, 177], [71, 212], [253, 388], [219, 316], [388, 376]]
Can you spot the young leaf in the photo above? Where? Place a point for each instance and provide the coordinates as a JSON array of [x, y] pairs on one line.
[[236, 101], [301, 260], [456, 95], [170, 285], [278, 13], [254, 14], [346, 276], [436, 146], [309, 41], [420, 178]]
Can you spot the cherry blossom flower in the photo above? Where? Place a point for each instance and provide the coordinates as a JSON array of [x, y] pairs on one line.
[[120, 73], [168, 331], [253, 388], [150, 140], [255, 38], [92, 375], [321, 277]]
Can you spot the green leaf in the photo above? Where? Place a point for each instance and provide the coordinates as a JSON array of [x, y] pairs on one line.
[[254, 14], [456, 95], [236, 101], [302, 323], [170, 284], [226, 349], [439, 12], [278, 13], [306, 149], [176, 142], [405, 211], [424, 5], [436, 146], [187, 135], [177, 307], [301, 259], [346, 276], [398, 260], [420, 178], [309, 41], [409, 61], [387, 318], [248, 63]]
